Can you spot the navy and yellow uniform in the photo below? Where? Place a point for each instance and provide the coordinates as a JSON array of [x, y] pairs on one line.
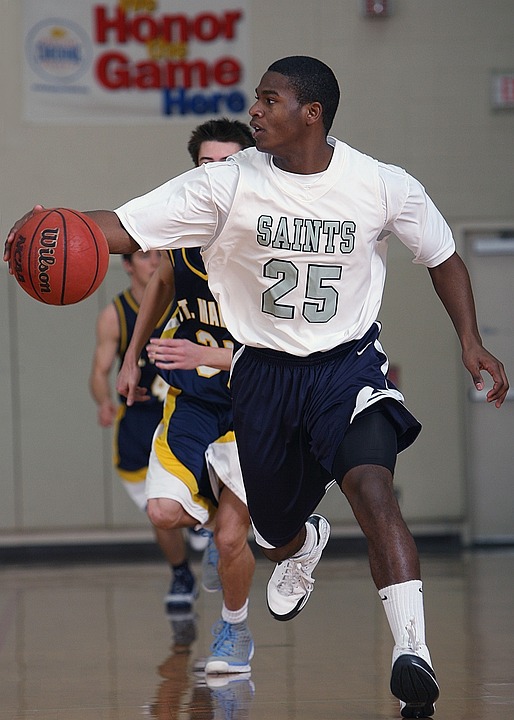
[[198, 407], [135, 425]]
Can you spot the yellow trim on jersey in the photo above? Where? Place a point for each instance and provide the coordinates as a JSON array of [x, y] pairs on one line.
[[191, 267], [164, 316], [120, 414], [133, 476], [171, 328], [123, 324], [169, 461], [228, 437], [131, 300]]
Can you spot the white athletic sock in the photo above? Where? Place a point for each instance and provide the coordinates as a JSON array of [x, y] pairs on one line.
[[235, 616], [311, 538], [403, 605]]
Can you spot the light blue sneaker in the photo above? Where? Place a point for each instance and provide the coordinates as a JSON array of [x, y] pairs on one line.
[[231, 650], [210, 577]]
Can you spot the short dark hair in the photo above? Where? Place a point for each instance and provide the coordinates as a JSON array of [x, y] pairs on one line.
[[127, 257], [220, 130], [313, 81]]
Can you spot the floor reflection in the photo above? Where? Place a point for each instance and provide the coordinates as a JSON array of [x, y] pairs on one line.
[[186, 693], [92, 642]]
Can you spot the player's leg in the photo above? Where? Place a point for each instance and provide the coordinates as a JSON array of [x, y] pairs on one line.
[[366, 460], [182, 589], [169, 508], [236, 560], [167, 513], [170, 540], [172, 545], [284, 482], [233, 646], [133, 444]]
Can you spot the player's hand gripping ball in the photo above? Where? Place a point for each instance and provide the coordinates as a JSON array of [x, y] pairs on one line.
[[59, 256]]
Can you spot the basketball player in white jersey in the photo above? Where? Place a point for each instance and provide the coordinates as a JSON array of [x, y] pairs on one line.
[[294, 236]]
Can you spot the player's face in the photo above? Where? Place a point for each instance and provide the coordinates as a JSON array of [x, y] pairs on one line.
[[216, 151], [143, 265], [277, 117]]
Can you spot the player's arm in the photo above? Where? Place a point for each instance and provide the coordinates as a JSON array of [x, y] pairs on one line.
[[181, 354], [118, 239], [106, 349], [158, 294], [452, 285]]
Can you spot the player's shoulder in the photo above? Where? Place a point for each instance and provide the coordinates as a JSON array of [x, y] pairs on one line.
[[387, 170], [243, 163], [353, 160], [112, 308], [108, 320], [395, 180], [247, 157]]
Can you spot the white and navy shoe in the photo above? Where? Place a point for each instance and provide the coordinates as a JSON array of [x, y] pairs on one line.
[[291, 583], [413, 680]]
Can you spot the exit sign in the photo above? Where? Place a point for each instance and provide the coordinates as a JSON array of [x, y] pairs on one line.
[[502, 90]]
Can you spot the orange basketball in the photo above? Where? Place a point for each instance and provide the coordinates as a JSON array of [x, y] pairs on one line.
[[59, 256]]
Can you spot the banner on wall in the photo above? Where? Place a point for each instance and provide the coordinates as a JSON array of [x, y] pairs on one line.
[[135, 60]]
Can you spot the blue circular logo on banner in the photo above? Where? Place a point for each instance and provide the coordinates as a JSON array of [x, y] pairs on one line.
[[58, 50]]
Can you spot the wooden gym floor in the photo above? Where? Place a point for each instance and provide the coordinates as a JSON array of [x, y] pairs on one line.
[[91, 641]]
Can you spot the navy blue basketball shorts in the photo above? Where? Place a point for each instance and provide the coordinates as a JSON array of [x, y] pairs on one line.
[[291, 415], [191, 426], [133, 437]]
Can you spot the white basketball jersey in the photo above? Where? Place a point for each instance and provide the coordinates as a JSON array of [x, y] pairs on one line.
[[300, 268], [297, 263]]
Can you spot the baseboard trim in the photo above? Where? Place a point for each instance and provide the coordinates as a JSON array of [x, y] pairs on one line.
[[139, 550]]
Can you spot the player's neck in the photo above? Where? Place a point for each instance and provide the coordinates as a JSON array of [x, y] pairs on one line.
[[137, 291], [308, 161]]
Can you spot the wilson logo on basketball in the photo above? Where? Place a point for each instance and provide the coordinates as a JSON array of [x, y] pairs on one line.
[[17, 259], [48, 243]]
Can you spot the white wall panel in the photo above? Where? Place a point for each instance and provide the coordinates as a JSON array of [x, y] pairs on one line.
[[415, 92]]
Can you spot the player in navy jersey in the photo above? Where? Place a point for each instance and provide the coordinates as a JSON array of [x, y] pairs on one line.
[[294, 237], [194, 475], [135, 425]]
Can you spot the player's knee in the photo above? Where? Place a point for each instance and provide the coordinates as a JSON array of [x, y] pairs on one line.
[[231, 539], [369, 487], [164, 514]]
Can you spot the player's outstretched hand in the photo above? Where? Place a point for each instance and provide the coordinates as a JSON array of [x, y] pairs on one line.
[[182, 354], [127, 383], [17, 225], [479, 359]]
